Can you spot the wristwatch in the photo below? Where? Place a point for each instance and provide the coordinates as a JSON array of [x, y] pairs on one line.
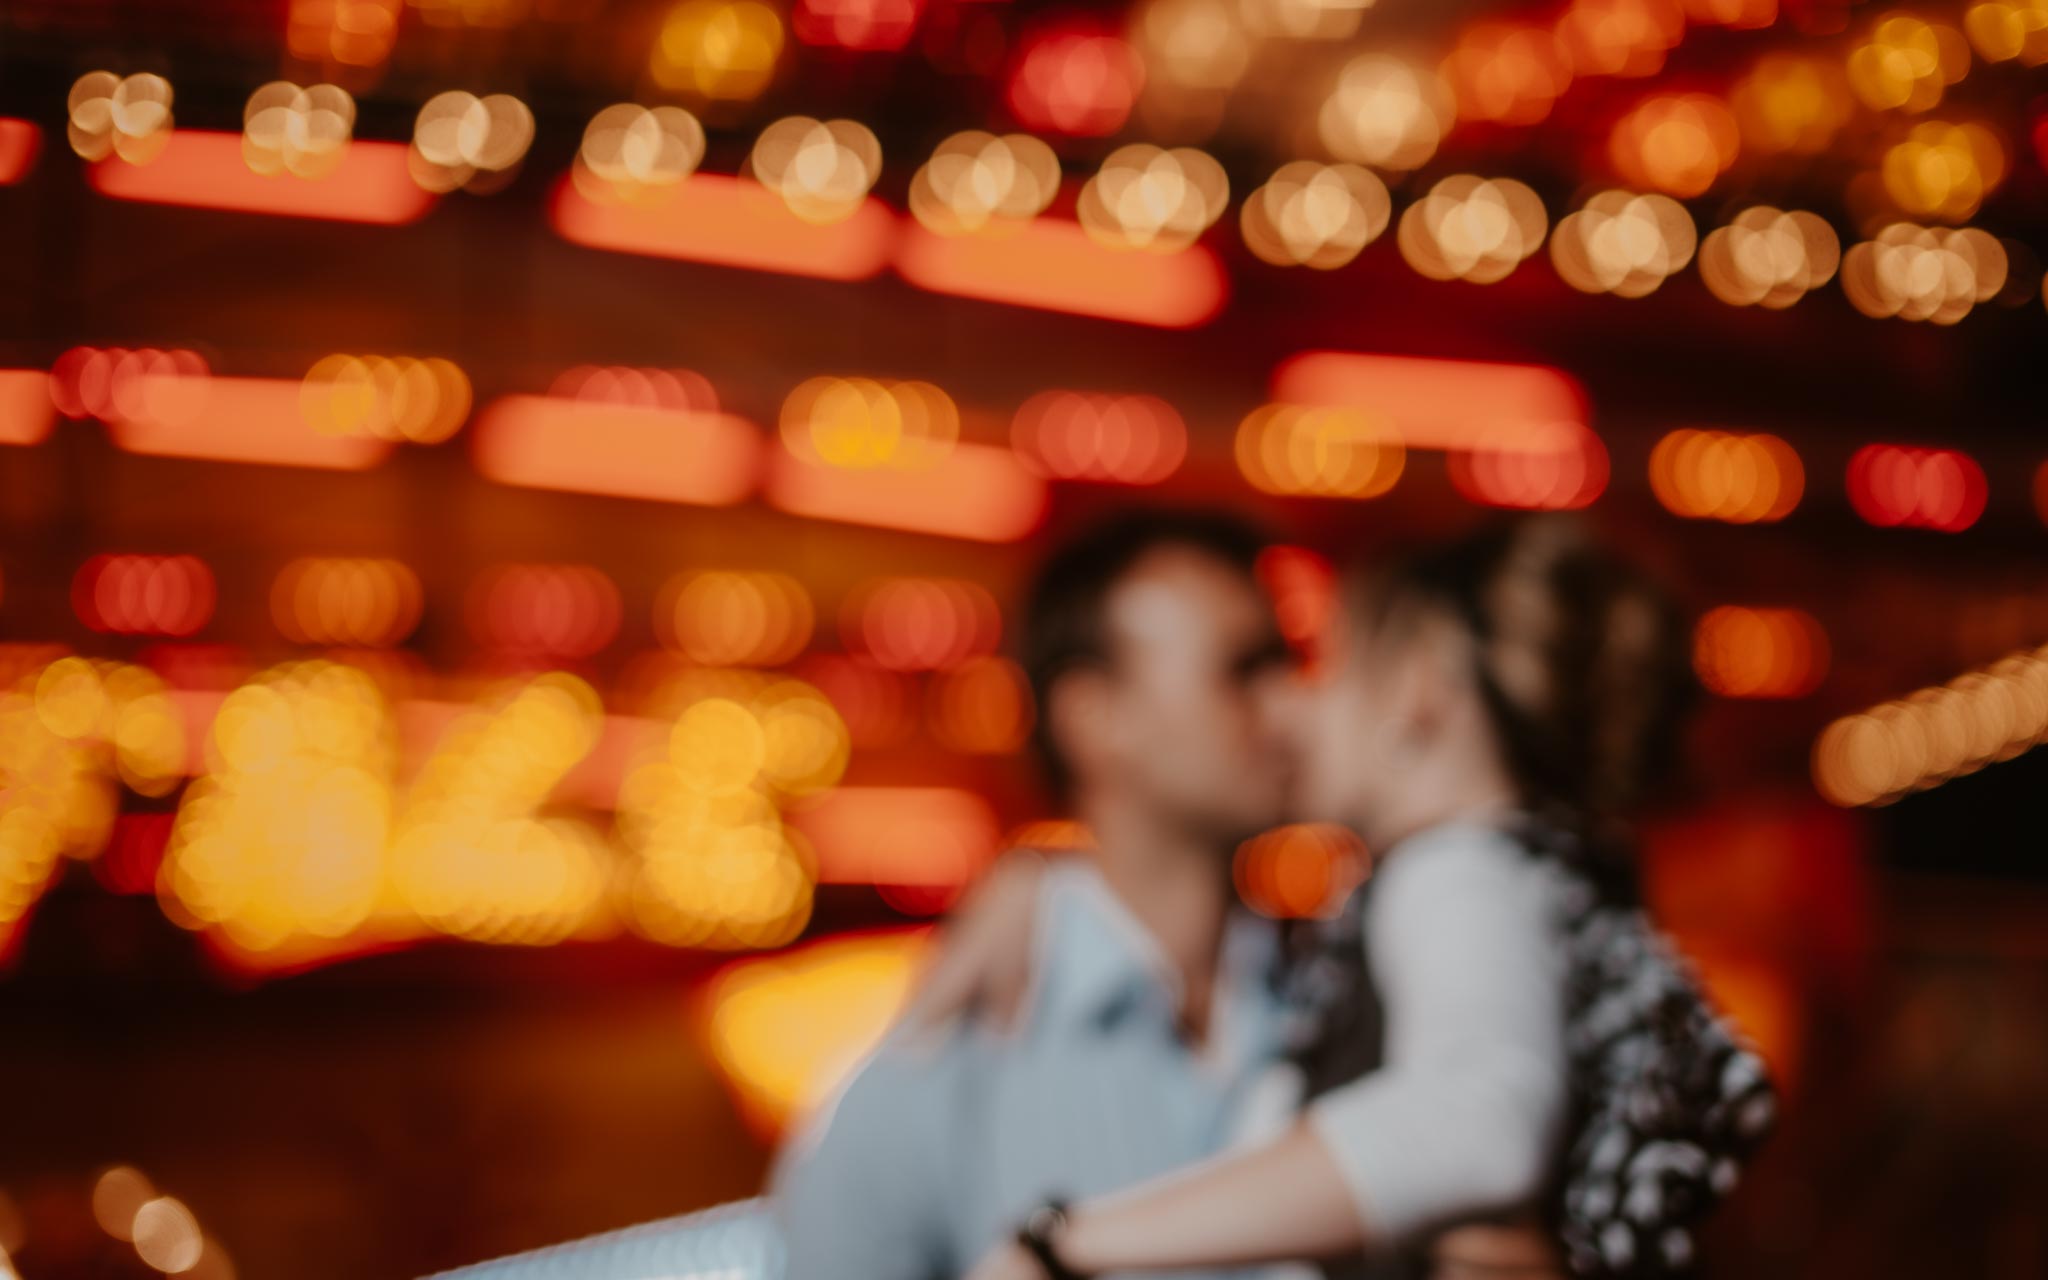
[[1039, 1236]]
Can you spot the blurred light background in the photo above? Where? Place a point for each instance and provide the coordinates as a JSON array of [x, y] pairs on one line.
[[512, 507]]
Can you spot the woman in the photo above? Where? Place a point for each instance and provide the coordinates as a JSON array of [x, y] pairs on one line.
[[1521, 679]]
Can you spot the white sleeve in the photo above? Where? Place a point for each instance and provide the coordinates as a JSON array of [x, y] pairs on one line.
[[1464, 1115]]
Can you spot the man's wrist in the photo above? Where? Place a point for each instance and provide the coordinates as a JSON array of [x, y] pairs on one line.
[[1041, 1234]]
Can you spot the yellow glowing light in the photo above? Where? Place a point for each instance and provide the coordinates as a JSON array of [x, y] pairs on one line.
[[1916, 273], [1145, 197], [786, 1031], [2005, 31], [1726, 475], [1792, 104], [723, 618], [1196, 45], [1769, 258], [386, 398], [1315, 215], [1623, 244], [1317, 451], [129, 117], [304, 132], [1944, 170], [718, 49], [1907, 62], [978, 180], [1473, 229], [1935, 734], [863, 423], [461, 140], [1385, 112]]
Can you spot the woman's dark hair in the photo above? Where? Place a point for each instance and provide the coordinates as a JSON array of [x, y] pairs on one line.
[[1582, 658]]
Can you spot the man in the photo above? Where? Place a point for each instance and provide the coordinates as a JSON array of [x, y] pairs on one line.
[[1150, 1020]]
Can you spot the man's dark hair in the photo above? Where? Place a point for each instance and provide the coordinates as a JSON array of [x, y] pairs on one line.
[[1064, 627]]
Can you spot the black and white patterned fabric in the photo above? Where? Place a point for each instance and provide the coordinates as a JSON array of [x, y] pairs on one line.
[[1669, 1102]]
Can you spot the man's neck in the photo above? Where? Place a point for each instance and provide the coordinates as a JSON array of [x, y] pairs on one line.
[[1177, 889]]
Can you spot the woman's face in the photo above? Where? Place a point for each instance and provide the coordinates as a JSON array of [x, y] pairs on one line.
[[1347, 724]]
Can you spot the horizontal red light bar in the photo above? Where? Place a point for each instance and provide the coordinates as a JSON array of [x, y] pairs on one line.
[[20, 142], [976, 491], [668, 455], [927, 837], [1435, 404], [206, 170], [732, 222], [1052, 264], [236, 420], [26, 410]]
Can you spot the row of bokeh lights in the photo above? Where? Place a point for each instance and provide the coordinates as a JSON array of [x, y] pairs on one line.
[[859, 423]]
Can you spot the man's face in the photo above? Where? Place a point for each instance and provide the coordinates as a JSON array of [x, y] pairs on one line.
[[1192, 639]]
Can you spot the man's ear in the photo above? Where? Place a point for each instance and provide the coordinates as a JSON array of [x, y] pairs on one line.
[[1079, 715]]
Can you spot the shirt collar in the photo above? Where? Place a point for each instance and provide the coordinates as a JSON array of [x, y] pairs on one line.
[[1097, 963]]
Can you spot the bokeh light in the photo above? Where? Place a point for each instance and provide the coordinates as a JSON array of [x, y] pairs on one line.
[[1792, 104], [2004, 31], [1194, 53], [1315, 215], [876, 704], [1906, 62], [1303, 19], [125, 116], [1386, 113], [1944, 170], [1742, 652], [634, 152], [718, 50], [1768, 257], [921, 624], [386, 397], [284, 834], [139, 595], [1506, 73], [1121, 439], [981, 707], [1619, 37], [344, 601], [474, 854], [167, 1236], [1917, 273], [1319, 451], [300, 131], [1147, 197], [1077, 78], [1300, 872], [1896, 486], [1623, 244], [727, 618], [461, 140], [1474, 229], [544, 610], [118, 1194], [114, 382], [1541, 466], [977, 180], [346, 33], [872, 25], [1303, 588], [1935, 734], [1739, 477], [822, 169], [865, 423], [1679, 143]]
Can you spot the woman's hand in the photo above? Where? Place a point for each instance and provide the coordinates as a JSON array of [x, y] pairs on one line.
[[983, 959], [1007, 1261]]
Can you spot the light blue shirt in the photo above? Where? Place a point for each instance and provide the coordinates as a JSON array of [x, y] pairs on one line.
[[934, 1151]]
